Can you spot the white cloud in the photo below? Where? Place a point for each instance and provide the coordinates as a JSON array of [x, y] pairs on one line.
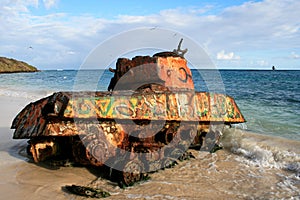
[[263, 63], [50, 3], [229, 56], [295, 56], [135, 19], [71, 52]]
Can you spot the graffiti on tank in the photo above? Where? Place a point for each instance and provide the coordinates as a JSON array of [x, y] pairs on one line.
[[185, 74], [170, 106]]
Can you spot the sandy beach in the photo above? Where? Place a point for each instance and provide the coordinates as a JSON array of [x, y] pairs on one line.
[[250, 166]]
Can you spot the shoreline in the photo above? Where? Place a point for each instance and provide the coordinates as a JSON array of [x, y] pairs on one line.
[[14, 72]]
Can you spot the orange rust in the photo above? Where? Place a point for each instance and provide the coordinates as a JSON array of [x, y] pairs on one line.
[[175, 73]]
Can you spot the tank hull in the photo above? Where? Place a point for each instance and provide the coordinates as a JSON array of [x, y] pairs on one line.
[[101, 123]]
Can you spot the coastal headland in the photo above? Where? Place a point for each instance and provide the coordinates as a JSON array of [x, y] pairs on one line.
[[10, 65]]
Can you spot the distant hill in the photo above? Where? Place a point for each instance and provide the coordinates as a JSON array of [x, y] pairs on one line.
[[9, 65]]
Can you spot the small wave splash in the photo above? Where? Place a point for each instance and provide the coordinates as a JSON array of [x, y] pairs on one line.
[[267, 153], [27, 94]]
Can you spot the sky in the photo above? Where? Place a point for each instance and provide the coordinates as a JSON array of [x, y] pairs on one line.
[[235, 34]]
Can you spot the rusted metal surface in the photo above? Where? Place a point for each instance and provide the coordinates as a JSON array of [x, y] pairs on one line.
[[170, 72], [42, 149]]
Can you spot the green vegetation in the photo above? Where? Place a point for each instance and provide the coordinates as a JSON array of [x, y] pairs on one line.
[[9, 65]]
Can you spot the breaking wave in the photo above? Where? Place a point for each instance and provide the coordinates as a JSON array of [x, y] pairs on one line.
[[262, 150], [267, 152], [27, 94]]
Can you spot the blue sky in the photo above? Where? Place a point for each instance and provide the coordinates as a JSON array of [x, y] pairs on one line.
[[235, 34], [111, 9]]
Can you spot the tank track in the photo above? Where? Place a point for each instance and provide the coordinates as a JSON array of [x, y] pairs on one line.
[[129, 157]]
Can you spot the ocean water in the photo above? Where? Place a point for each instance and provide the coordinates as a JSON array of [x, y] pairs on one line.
[[255, 163], [269, 100]]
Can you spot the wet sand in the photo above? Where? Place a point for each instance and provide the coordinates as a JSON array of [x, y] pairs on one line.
[[250, 166]]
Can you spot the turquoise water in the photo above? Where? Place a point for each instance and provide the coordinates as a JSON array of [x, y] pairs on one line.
[[269, 100]]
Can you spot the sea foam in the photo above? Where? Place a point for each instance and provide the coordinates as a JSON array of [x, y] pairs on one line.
[[27, 94], [266, 151]]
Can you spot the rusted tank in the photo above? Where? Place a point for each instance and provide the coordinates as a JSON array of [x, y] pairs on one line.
[[147, 119]]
